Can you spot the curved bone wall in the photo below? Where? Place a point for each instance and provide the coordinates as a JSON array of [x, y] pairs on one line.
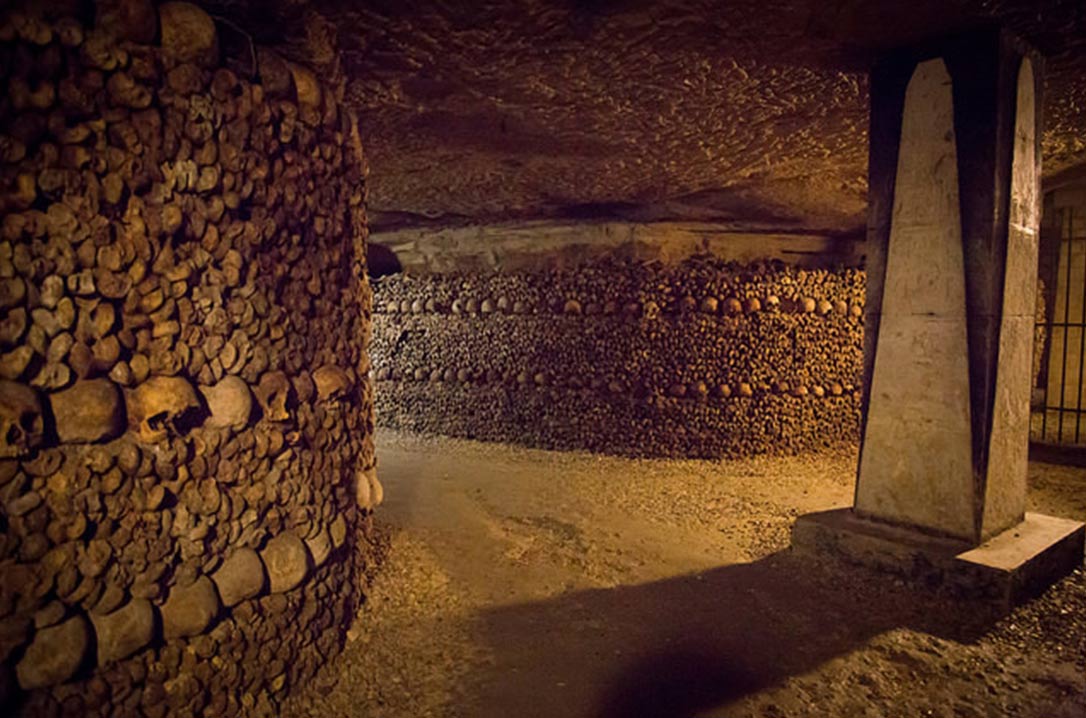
[[702, 359], [185, 451]]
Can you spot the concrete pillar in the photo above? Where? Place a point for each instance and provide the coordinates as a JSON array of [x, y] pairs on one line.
[[952, 268]]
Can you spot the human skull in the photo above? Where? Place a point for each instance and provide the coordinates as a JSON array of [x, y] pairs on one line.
[[22, 426], [163, 406], [275, 394], [229, 402], [332, 382]]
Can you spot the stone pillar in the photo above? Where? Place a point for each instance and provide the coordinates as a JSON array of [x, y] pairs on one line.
[[952, 269]]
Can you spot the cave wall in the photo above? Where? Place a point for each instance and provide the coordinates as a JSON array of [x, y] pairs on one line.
[[542, 245], [186, 456], [700, 358]]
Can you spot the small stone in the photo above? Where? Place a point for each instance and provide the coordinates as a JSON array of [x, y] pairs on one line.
[[287, 562], [54, 655], [240, 577], [124, 631], [190, 610]]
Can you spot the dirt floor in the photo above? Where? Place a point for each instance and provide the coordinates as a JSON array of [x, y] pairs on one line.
[[519, 583]]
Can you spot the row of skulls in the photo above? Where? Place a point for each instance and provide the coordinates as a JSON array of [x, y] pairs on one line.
[[163, 406]]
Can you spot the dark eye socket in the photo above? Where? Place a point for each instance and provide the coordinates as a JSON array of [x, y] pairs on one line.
[[29, 422], [15, 433], [158, 420]]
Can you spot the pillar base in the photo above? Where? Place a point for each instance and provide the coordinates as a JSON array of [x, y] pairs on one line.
[[1006, 570]]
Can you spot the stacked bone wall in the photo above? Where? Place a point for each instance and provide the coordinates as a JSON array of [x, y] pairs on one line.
[[705, 358], [185, 451]]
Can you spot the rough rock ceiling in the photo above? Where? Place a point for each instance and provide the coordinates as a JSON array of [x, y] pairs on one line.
[[749, 110]]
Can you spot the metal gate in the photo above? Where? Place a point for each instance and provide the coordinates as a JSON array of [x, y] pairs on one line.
[[1059, 407]]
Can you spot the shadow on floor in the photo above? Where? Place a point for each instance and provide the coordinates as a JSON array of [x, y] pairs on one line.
[[680, 646]]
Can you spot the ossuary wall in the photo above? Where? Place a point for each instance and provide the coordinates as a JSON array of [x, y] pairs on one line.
[[703, 358], [186, 456]]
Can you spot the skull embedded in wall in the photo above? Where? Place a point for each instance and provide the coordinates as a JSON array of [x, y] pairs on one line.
[[164, 406], [22, 426], [331, 382], [229, 402], [275, 395]]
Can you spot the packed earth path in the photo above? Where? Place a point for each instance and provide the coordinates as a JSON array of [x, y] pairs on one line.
[[521, 582]]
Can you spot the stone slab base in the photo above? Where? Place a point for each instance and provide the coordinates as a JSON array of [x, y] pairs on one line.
[[1007, 569]]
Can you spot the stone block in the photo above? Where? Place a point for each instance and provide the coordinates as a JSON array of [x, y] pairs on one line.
[[1006, 570]]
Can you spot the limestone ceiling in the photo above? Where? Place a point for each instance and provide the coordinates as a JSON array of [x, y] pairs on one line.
[[752, 110]]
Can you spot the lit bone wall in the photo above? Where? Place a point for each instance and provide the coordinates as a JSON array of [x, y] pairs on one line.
[[186, 449], [700, 359]]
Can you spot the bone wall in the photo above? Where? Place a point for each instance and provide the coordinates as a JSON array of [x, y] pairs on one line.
[[186, 461], [705, 358]]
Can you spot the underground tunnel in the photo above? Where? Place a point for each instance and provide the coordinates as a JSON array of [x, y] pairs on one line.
[[605, 358]]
